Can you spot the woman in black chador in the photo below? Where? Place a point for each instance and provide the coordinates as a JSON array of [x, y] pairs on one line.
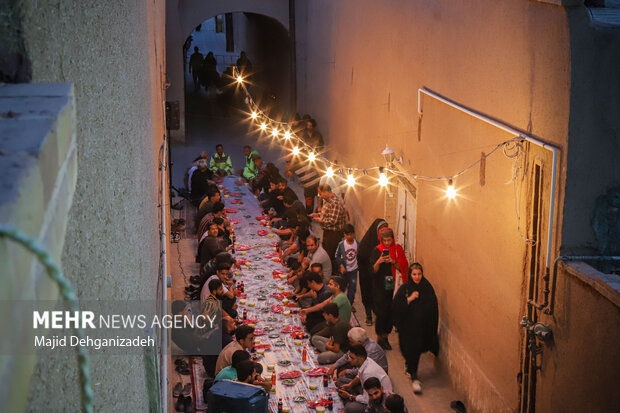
[[416, 316], [368, 243]]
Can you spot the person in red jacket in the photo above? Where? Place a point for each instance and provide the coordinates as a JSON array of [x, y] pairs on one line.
[[386, 260]]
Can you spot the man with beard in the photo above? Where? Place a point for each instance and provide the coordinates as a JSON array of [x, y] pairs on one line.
[[416, 316]]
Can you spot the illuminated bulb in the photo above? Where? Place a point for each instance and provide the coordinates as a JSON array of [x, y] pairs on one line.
[[274, 132], [451, 191], [239, 79], [329, 172], [311, 157], [350, 180], [383, 181], [295, 151], [287, 135], [254, 115], [263, 126]]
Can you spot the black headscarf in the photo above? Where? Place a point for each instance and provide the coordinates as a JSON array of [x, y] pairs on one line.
[[370, 241], [417, 321]]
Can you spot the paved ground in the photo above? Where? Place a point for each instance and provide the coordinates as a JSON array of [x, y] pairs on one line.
[[206, 126]]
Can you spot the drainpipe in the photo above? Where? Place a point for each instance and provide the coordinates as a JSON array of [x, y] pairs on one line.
[[164, 279], [293, 50], [513, 131]]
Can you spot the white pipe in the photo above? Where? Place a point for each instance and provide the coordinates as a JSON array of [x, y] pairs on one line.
[[164, 283], [513, 131]]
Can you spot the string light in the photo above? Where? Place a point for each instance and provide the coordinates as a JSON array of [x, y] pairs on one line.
[[274, 132], [296, 151], [239, 79], [383, 181], [311, 157], [287, 135], [350, 180], [254, 115], [329, 172], [263, 126], [450, 192]]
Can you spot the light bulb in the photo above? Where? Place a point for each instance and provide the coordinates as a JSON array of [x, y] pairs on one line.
[[274, 132], [383, 181], [350, 180], [311, 157], [254, 115], [295, 151], [263, 126], [329, 172], [239, 79], [451, 191], [287, 135]]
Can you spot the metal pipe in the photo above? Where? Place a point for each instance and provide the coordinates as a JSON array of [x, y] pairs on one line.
[[164, 281], [513, 131], [573, 258]]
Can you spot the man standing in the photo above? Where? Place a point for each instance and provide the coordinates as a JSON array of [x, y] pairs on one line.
[[221, 164], [332, 219], [195, 66]]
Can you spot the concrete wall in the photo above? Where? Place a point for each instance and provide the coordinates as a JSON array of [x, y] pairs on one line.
[[580, 368], [182, 17], [113, 54], [360, 65]]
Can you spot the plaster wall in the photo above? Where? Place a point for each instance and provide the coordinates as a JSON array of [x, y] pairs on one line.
[[360, 64], [580, 367], [182, 17], [113, 54]]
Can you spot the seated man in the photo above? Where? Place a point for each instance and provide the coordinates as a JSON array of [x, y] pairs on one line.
[[335, 287], [190, 340], [230, 372], [244, 340], [320, 293], [210, 245], [346, 372], [200, 182], [367, 369], [249, 171], [221, 164], [377, 396], [206, 205], [217, 211], [332, 348], [246, 372], [228, 291], [394, 403], [316, 253]]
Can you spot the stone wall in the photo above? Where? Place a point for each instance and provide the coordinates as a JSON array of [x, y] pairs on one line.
[[113, 54]]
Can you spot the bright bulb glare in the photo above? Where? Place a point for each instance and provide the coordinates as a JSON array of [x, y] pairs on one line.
[[350, 180], [383, 181], [287, 135], [239, 79], [295, 150], [254, 115], [263, 126], [311, 157], [329, 172], [451, 192], [274, 132]]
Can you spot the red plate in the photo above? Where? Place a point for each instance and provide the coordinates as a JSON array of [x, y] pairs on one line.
[[262, 232], [242, 248], [318, 402], [231, 210], [250, 321], [259, 332], [236, 201], [292, 329], [235, 194], [277, 308], [319, 371], [262, 218], [262, 346], [293, 374], [235, 221]]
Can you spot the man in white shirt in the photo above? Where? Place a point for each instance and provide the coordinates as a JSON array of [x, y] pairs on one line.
[[222, 272], [367, 368]]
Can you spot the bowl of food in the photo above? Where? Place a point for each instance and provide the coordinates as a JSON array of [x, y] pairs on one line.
[[314, 387], [287, 312]]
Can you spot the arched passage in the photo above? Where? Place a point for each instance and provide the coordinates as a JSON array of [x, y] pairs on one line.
[[182, 17]]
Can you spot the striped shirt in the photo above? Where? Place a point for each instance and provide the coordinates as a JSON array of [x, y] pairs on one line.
[[307, 174]]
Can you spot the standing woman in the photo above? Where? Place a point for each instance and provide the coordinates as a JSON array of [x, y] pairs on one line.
[[416, 317], [387, 258], [366, 246]]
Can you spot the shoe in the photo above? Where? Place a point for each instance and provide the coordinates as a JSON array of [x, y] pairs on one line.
[[417, 386], [179, 406], [178, 388], [196, 279], [191, 289], [180, 363], [369, 321], [187, 390], [184, 370]]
